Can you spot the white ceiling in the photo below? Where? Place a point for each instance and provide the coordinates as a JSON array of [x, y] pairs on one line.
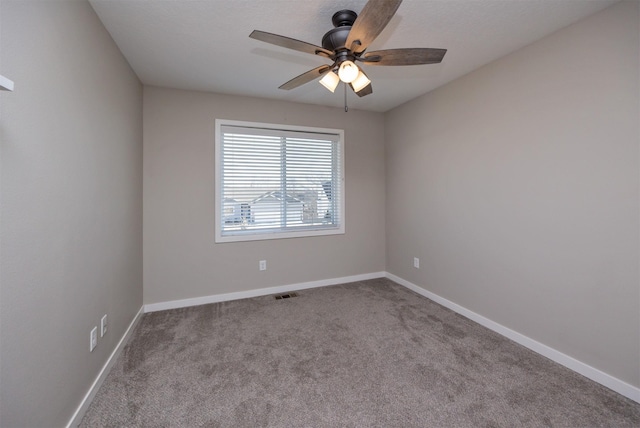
[[204, 44]]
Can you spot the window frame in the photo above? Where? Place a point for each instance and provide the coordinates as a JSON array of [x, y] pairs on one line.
[[259, 235]]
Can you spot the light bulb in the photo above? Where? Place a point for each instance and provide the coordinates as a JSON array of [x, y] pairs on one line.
[[361, 82], [330, 81], [348, 72]]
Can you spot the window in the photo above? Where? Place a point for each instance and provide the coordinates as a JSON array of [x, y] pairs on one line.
[[277, 181]]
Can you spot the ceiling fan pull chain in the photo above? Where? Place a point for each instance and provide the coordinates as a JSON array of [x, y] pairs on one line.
[[346, 109]]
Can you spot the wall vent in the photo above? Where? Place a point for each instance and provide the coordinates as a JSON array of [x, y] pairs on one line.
[[285, 296]]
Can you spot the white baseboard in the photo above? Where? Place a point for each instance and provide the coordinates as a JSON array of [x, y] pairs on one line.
[[586, 370], [93, 390], [215, 298]]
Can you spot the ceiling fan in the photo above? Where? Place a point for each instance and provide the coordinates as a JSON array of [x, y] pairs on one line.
[[347, 42]]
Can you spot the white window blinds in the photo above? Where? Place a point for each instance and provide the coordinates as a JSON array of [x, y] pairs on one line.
[[277, 182]]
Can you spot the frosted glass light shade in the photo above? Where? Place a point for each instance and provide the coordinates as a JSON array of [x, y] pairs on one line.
[[330, 81], [361, 82], [348, 72]]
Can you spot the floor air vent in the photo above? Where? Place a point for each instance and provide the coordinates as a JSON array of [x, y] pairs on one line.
[[286, 296]]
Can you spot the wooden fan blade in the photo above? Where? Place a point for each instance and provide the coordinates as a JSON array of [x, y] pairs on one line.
[[289, 43], [375, 15], [408, 56], [364, 91], [306, 77]]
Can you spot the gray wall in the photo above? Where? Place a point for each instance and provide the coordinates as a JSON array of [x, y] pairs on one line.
[[181, 259], [71, 206], [517, 187]]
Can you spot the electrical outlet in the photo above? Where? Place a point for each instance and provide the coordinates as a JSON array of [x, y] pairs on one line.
[[263, 265], [416, 263], [93, 339], [103, 325]]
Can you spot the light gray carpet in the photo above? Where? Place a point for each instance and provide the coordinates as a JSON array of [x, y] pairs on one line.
[[364, 354]]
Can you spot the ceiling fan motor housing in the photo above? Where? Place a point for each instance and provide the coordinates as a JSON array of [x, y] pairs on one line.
[[336, 37]]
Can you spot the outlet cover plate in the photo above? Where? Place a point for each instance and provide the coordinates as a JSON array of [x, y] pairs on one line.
[[93, 339], [103, 325]]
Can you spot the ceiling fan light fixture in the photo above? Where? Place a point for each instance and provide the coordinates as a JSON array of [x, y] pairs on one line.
[[361, 82], [330, 81], [348, 71]]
